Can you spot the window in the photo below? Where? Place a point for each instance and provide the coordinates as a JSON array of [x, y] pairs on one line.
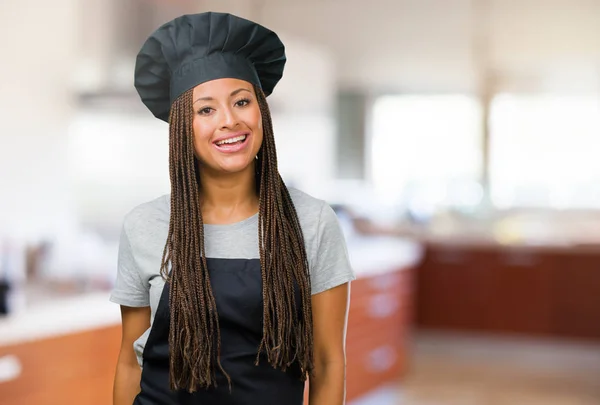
[[545, 151], [426, 151]]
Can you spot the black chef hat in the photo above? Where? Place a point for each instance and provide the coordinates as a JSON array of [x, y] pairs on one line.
[[193, 49]]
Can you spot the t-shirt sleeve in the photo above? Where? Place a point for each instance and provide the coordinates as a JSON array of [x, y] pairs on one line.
[[130, 289], [331, 266]]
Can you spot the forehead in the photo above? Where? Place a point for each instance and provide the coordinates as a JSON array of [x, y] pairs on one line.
[[221, 88]]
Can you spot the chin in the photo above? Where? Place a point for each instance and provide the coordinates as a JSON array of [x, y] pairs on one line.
[[235, 165]]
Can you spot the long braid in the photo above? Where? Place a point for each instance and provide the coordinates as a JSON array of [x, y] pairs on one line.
[[194, 335], [194, 325], [284, 263]]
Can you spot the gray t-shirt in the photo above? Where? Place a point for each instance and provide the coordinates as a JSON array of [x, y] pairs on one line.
[[144, 234]]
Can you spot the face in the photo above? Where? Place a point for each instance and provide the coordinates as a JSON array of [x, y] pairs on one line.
[[227, 125]]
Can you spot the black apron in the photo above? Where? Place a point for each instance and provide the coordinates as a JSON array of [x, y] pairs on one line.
[[237, 288]]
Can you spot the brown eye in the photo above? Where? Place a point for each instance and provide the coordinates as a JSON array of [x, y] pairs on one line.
[[243, 102], [205, 111]]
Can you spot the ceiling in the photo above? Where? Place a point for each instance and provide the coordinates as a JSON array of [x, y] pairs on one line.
[[431, 45], [413, 45]]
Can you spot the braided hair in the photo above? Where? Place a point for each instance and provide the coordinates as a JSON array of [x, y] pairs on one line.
[[194, 336]]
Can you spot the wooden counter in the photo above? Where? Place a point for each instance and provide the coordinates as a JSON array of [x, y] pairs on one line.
[[544, 291], [378, 326], [73, 369]]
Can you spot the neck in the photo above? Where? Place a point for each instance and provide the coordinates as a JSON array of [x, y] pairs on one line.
[[227, 198]]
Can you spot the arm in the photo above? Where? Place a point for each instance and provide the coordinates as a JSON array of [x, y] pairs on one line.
[[327, 386], [135, 322]]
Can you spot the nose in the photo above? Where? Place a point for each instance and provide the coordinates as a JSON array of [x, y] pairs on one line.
[[229, 119]]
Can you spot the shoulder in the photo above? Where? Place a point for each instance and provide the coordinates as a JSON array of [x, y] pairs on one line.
[[309, 208], [142, 240], [306, 205], [326, 247], [315, 215], [146, 218]]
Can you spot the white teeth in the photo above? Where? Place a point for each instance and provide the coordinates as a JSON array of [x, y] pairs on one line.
[[232, 140]]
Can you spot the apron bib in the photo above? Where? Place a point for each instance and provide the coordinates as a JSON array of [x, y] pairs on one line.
[[237, 288]]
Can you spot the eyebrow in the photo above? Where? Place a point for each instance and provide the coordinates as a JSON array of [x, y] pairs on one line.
[[233, 93]]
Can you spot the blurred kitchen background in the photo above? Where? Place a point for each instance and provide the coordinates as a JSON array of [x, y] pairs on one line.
[[458, 141]]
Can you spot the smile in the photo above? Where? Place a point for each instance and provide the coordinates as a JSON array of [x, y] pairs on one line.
[[241, 138], [232, 144]]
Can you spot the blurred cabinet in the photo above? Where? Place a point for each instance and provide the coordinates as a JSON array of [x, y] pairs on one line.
[[520, 291], [443, 279], [537, 291], [576, 292], [72, 369]]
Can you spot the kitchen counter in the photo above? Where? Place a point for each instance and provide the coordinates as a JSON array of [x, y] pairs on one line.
[[59, 317], [66, 347], [64, 315]]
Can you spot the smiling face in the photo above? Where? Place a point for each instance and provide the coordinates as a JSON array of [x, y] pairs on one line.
[[227, 125]]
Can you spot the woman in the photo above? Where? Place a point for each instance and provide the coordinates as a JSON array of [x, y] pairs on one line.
[[233, 290]]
